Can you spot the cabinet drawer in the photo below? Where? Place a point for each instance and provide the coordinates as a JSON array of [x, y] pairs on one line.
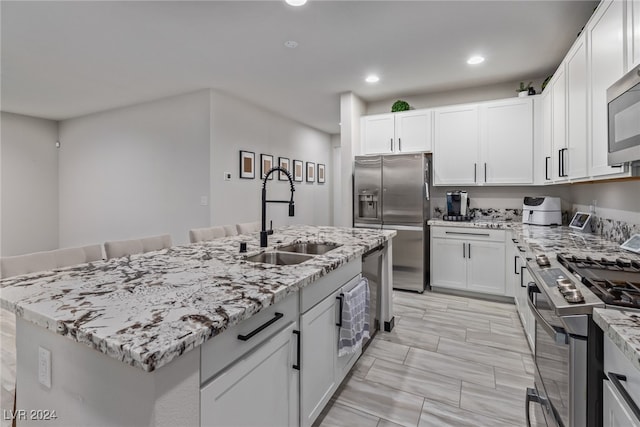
[[225, 348], [468, 233], [326, 285], [615, 361]]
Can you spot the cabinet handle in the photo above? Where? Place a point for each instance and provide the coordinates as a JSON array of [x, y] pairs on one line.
[[564, 172], [521, 249], [399, 144], [341, 299], [296, 366], [615, 380], [475, 169], [469, 250], [515, 265], [560, 163], [485, 172], [391, 141], [522, 268], [546, 168], [467, 234], [464, 251], [514, 241], [260, 328]]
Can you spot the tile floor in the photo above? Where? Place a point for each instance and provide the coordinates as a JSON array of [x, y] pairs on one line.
[[450, 361]]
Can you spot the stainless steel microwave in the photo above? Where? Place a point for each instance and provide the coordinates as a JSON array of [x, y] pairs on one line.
[[623, 104]]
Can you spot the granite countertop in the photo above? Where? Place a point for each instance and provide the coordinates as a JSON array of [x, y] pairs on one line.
[[148, 309], [623, 327]]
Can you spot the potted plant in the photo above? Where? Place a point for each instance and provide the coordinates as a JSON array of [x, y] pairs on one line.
[[400, 105], [525, 90]]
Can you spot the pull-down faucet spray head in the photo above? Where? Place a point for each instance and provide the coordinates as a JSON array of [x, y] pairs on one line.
[[264, 233]]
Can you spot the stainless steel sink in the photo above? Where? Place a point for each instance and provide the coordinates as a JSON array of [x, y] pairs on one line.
[[279, 258], [310, 248]]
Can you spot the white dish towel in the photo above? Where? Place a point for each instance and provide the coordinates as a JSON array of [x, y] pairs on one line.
[[355, 318]]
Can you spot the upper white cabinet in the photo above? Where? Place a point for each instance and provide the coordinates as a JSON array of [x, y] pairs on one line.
[[559, 124], [606, 59], [577, 124], [507, 141], [545, 124], [404, 132], [633, 30], [487, 143], [456, 145]]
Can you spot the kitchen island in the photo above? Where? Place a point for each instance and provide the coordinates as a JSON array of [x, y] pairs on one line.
[[121, 332]]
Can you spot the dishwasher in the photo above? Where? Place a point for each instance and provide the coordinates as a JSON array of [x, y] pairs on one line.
[[372, 270]]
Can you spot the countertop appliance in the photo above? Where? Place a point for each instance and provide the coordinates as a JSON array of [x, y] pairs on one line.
[[392, 192], [568, 350], [623, 106], [543, 210], [457, 206]]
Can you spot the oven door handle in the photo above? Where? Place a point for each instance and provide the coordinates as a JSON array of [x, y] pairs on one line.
[[558, 334], [532, 396]]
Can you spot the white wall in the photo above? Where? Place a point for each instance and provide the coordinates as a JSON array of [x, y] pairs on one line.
[[612, 200], [237, 125], [135, 171], [451, 97], [28, 185]]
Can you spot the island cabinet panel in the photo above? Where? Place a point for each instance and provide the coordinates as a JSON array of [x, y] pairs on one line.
[[261, 389]]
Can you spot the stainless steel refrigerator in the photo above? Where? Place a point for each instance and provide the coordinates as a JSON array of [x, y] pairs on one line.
[[392, 192]]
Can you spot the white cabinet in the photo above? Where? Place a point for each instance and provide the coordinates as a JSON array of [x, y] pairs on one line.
[[558, 124], [519, 276], [507, 141], [606, 60], [487, 143], [463, 258], [265, 378], [617, 411], [408, 131], [546, 129], [633, 31], [577, 124], [321, 370], [456, 145]]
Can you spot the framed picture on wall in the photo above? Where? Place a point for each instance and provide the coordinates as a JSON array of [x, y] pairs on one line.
[[266, 164], [247, 164], [321, 177], [283, 162], [311, 172], [297, 170]]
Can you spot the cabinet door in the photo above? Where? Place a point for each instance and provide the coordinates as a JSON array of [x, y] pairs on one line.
[[606, 58], [319, 356], [486, 267], [377, 134], [576, 69], [633, 13], [413, 131], [558, 126], [265, 379], [456, 145], [616, 413], [507, 142], [448, 263], [547, 135]]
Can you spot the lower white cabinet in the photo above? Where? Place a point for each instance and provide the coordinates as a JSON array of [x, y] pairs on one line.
[[321, 370], [616, 412], [622, 379], [260, 389], [468, 259], [519, 277]]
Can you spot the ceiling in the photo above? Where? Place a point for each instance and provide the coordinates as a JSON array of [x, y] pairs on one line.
[[66, 59]]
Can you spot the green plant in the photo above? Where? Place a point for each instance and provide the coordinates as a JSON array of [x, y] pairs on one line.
[[523, 87], [400, 105], [546, 81]]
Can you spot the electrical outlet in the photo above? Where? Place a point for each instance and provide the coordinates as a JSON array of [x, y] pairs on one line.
[[227, 176], [204, 200], [44, 367]]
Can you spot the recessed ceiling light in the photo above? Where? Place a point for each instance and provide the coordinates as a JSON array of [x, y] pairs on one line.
[[474, 60], [291, 44], [296, 2], [372, 78]]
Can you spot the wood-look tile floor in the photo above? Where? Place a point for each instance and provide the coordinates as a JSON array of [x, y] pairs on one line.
[[450, 361]]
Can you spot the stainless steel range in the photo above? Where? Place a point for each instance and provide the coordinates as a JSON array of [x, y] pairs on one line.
[[568, 350]]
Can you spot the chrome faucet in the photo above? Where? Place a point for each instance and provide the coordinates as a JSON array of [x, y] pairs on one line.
[[264, 232]]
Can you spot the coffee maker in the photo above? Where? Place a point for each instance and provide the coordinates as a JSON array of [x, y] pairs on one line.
[[457, 206]]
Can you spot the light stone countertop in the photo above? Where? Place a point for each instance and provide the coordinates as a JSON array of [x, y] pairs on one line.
[[622, 326], [148, 309]]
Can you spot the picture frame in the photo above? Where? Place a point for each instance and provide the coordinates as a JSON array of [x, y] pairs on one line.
[[311, 172], [298, 170], [266, 164], [284, 163], [247, 164], [321, 173]]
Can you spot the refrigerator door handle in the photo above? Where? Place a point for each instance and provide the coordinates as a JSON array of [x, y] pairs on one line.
[[426, 191], [403, 227]]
